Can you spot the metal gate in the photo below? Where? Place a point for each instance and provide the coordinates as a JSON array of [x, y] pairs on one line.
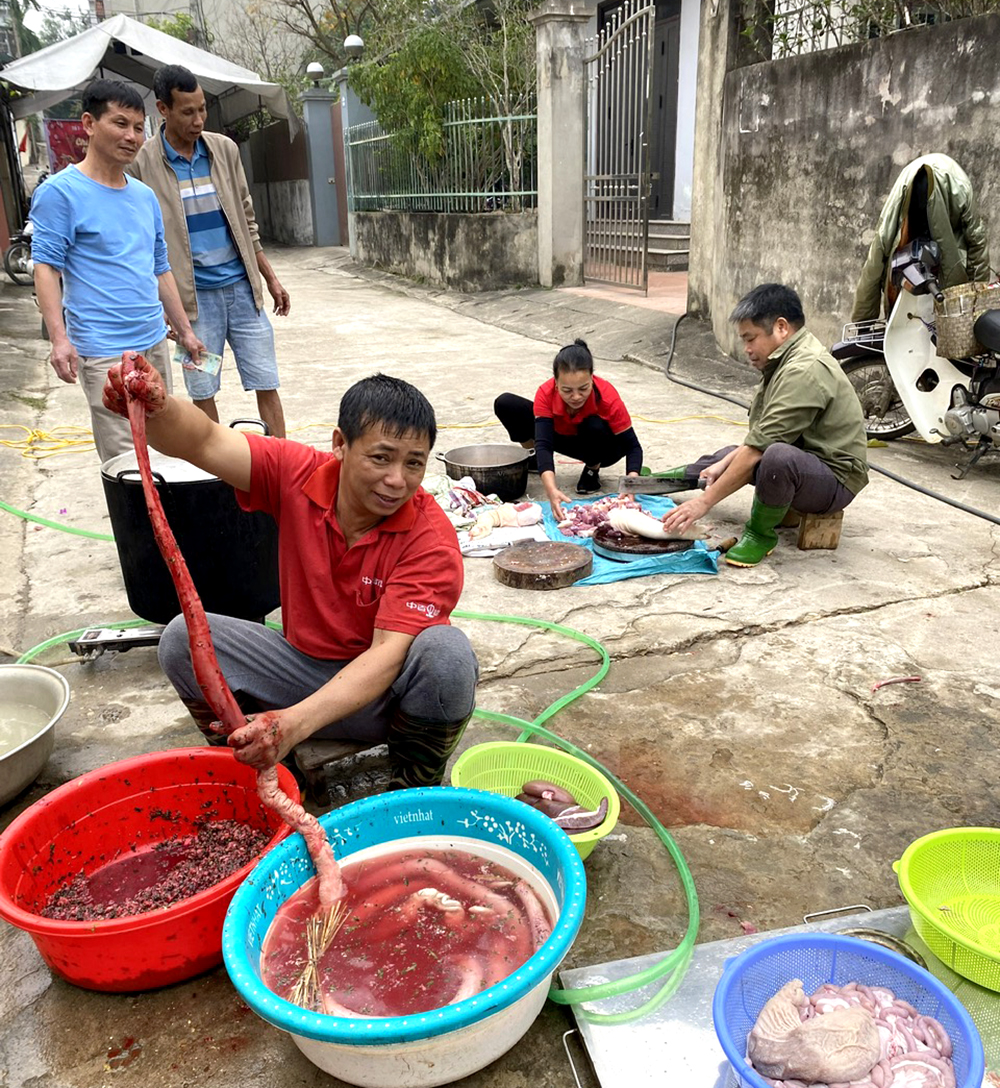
[[618, 77]]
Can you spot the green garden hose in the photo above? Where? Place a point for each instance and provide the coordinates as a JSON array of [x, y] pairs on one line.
[[53, 524]]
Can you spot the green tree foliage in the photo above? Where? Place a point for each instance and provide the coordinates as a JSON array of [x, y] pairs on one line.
[[423, 58], [409, 89], [181, 26], [24, 39]]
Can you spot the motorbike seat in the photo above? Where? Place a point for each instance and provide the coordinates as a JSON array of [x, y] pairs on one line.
[[855, 349], [987, 330]]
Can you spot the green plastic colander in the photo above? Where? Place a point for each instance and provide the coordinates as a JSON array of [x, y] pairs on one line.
[[951, 881], [504, 767]]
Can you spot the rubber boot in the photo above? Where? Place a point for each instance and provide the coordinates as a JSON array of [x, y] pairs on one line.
[[678, 472], [419, 750], [759, 538], [205, 717]]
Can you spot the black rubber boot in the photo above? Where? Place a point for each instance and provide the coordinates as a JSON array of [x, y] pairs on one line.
[[419, 750], [205, 717]]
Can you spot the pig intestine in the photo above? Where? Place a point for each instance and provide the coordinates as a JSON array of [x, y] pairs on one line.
[[828, 1039]]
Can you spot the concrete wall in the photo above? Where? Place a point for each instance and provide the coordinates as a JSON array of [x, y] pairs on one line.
[[278, 172], [794, 158], [467, 252], [284, 212]]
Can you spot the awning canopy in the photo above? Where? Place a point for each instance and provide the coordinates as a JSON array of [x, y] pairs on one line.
[[126, 49]]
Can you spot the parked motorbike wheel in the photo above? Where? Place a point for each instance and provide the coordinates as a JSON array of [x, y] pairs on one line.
[[16, 263], [885, 416]]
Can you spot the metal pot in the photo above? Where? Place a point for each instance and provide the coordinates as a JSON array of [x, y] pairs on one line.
[[47, 691], [497, 470], [232, 555]]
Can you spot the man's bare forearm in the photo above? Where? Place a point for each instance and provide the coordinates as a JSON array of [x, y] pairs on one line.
[[738, 473], [359, 683], [172, 306], [49, 293]]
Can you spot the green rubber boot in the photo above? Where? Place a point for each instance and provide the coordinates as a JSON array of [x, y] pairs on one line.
[[678, 472], [419, 750], [759, 538]]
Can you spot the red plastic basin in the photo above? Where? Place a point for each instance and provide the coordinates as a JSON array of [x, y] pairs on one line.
[[83, 824]]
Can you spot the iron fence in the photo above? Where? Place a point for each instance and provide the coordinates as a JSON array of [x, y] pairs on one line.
[[774, 29], [488, 163]]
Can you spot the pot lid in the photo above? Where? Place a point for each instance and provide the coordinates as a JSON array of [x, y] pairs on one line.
[[172, 469]]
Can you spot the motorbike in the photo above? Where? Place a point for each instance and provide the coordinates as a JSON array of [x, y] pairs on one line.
[[904, 385], [17, 258]]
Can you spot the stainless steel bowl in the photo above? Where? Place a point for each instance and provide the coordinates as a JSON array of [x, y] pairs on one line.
[[46, 689]]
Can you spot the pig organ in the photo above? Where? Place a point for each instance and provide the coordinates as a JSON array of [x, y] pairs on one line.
[[835, 1048]]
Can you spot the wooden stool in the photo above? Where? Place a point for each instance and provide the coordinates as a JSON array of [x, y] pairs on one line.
[[820, 531]]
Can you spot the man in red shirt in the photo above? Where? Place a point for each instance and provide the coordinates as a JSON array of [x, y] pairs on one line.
[[369, 570]]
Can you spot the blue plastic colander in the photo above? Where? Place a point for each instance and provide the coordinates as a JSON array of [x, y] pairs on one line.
[[434, 813], [755, 976]]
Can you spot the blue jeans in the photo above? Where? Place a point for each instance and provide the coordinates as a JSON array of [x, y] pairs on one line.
[[230, 314]]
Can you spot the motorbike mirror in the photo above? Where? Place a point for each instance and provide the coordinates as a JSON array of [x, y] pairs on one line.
[[916, 280], [930, 254]]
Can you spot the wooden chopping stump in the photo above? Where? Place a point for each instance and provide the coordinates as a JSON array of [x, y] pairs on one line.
[[614, 544], [542, 564]]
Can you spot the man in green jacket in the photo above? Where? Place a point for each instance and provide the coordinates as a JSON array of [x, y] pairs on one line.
[[806, 447], [931, 198], [213, 244]]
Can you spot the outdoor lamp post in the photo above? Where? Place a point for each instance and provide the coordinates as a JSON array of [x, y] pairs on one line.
[[354, 46], [314, 70]]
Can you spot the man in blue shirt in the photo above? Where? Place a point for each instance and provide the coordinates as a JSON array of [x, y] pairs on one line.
[[101, 234], [214, 244]]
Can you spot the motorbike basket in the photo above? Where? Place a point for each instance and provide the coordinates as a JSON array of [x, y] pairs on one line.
[[956, 314]]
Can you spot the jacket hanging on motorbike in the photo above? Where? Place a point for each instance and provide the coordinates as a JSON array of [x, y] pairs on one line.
[[948, 215]]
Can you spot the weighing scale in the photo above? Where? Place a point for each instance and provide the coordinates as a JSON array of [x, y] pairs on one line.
[[96, 641], [676, 1045]]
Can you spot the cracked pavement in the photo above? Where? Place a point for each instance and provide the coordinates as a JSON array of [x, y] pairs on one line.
[[739, 707]]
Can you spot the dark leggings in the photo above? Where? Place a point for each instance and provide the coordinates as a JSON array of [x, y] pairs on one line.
[[788, 476], [593, 444]]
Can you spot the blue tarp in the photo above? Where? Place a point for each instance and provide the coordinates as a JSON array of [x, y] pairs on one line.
[[695, 560]]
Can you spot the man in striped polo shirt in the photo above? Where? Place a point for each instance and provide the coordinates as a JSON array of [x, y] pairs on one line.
[[213, 244]]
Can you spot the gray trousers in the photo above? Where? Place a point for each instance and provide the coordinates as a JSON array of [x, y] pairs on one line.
[[436, 684], [788, 476]]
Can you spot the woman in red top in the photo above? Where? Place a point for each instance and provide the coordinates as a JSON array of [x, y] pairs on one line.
[[574, 413]]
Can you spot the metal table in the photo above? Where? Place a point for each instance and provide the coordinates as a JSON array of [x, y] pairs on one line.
[[676, 1043]]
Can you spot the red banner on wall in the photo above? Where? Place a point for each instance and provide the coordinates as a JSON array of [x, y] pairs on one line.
[[66, 142]]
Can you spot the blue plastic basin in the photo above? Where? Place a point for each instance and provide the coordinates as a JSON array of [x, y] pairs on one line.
[[436, 813]]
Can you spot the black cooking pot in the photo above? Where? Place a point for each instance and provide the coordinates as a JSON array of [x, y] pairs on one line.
[[232, 555], [497, 470]]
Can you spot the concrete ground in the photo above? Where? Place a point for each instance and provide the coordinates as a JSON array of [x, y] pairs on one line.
[[739, 707]]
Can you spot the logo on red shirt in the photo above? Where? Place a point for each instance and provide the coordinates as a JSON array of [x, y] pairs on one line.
[[429, 610]]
